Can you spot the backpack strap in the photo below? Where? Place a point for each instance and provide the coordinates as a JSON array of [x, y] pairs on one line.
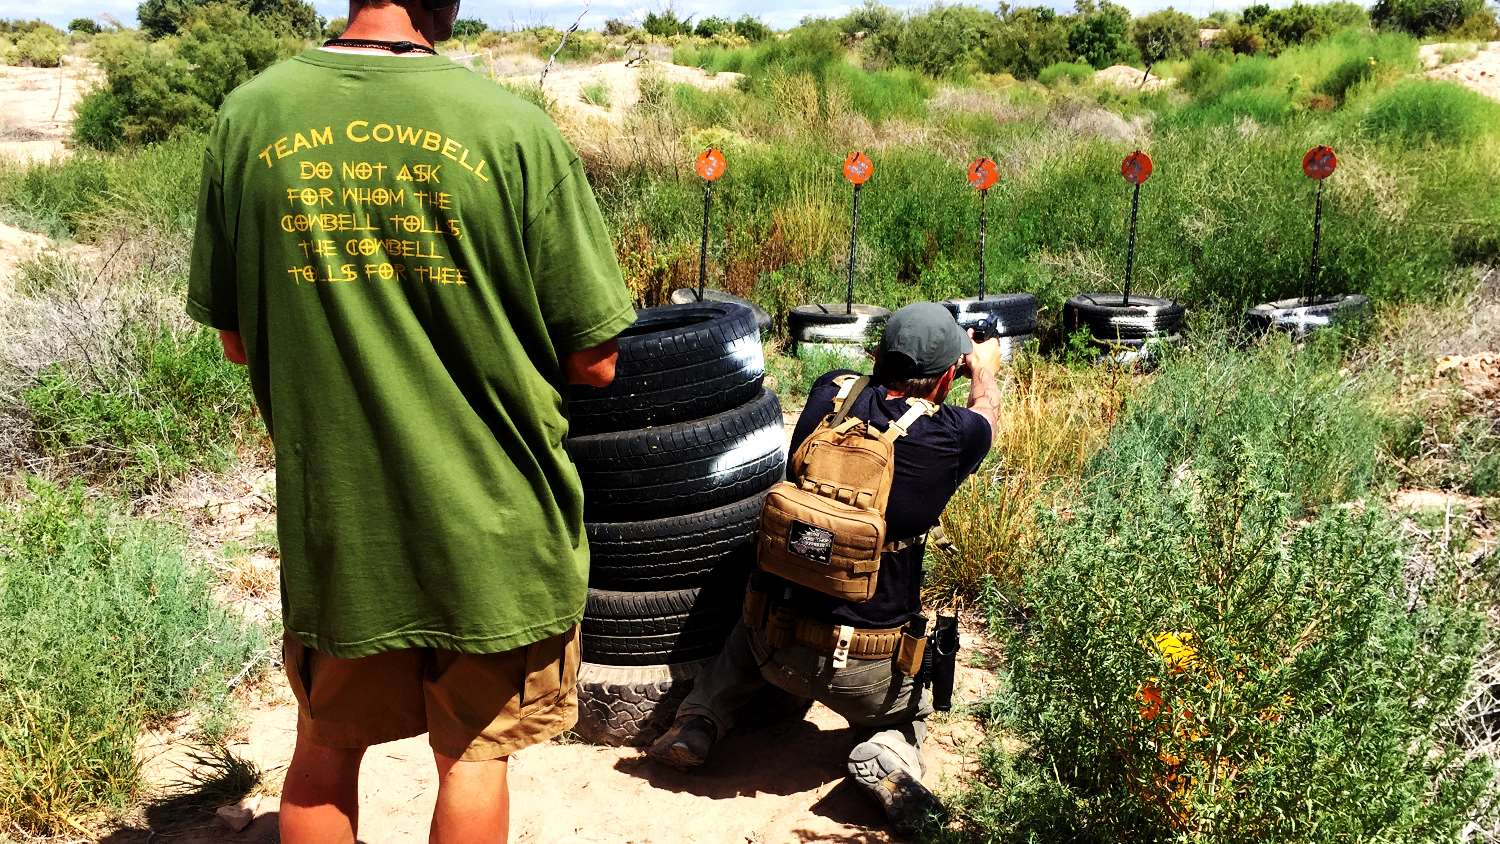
[[918, 408], [844, 402]]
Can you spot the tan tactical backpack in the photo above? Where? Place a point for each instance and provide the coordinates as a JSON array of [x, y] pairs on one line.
[[826, 529]]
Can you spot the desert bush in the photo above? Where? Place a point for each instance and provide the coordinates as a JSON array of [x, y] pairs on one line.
[[41, 47], [163, 88], [1216, 646], [581, 47], [174, 404], [86, 26], [1425, 112], [1026, 40], [1480, 26], [1167, 34], [665, 24], [1424, 17], [1241, 40], [296, 18], [1098, 34], [108, 630], [751, 29], [942, 41], [596, 93], [713, 25], [1070, 73], [1296, 24], [99, 121], [467, 29]]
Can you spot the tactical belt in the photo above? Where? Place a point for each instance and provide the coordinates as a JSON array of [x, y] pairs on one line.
[[784, 626]]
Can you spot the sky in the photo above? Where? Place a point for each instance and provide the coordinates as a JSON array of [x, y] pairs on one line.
[[560, 13]]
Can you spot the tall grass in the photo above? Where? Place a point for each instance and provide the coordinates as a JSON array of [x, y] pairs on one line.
[[173, 405], [108, 629], [1052, 421], [93, 194], [1421, 113]]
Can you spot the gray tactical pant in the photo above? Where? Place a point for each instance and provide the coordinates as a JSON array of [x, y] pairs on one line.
[[888, 708]]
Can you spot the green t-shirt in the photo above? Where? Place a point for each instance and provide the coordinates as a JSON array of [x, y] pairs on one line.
[[408, 252]]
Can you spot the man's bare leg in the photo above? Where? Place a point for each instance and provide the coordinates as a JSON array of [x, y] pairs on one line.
[[473, 802], [320, 799]]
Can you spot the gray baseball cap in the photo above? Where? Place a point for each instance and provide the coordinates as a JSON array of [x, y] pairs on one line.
[[921, 340]]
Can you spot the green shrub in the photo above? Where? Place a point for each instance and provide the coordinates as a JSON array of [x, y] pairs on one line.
[[1424, 17], [1205, 72], [1070, 73], [1296, 24], [1167, 34], [296, 18], [1241, 40], [108, 630], [1216, 649], [596, 93], [181, 406], [1026, 40], [86, 26], [1425, 112], [467, 29], [751, 29], [172, 86], [942, 41], [1098, 34], [665, 24], [41, 47], [99, 120]]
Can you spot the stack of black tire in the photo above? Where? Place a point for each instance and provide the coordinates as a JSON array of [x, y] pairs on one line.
[[1010, 318], [675, 457], [1126, 331]]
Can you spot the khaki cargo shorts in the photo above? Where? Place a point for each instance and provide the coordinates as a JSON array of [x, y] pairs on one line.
[[474, 707]]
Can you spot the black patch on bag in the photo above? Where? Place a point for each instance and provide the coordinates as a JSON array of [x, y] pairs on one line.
[[810, 542]]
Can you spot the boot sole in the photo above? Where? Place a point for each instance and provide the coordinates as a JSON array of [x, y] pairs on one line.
[[879, 772], [675, 756]]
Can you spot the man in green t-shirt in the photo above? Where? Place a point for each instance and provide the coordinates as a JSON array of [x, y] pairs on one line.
[[411, 263]]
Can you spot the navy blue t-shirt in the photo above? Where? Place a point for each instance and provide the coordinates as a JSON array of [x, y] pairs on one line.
[[936, 455]]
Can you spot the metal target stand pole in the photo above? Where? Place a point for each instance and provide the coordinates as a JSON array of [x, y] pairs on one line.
[[984, 224], [1317, 247], [853, 245], [708, 198], [1135, 208]]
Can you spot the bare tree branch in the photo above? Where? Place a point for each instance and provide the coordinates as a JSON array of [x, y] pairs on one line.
[[561, 44]]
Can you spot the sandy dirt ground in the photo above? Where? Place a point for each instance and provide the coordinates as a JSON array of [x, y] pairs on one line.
[[1125, 76], [36, 107], [1482, 72], [566, 83], [783, 783]]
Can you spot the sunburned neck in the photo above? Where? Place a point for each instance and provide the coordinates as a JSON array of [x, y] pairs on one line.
[[390, 22]]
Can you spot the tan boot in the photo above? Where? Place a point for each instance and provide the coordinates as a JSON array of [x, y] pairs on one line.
[[686, 744]]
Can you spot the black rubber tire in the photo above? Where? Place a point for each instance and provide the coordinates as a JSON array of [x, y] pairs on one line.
[[689, 296], [685, 467], [677, 552], [629, 706], [830, 324], [676, 363], [1302, 317], [1108, 319], [1005, 315], [658, 628]]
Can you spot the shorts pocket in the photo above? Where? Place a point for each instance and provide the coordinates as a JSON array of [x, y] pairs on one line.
[[551, 667], [296, 658]]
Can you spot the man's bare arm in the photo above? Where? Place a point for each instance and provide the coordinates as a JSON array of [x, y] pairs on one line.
[[984, 387], [593, 367], [234, 347]]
